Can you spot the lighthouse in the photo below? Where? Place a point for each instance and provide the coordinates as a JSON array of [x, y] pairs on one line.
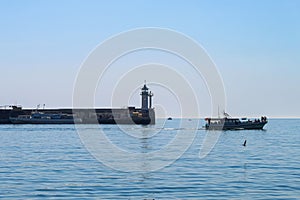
[[146, 96]]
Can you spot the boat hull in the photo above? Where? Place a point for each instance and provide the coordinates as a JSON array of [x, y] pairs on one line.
[[44, 121]]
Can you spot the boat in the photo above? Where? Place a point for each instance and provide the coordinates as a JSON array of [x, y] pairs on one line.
[[45, 118], [228, 123], [169, 118]]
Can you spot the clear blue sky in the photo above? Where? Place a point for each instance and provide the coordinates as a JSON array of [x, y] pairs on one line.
[[255, 44]]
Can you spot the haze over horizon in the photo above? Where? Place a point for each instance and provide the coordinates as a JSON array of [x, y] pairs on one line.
[[255, 46]]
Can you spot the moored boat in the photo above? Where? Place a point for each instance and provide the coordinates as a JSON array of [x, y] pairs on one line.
[[45, 118]]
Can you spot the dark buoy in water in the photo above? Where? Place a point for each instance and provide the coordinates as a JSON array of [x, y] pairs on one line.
[[245, 143]]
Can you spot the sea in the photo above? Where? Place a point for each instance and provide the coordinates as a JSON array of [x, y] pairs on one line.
[[53, 162]]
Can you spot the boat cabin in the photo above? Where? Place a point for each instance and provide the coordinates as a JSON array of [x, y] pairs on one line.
[[222, 120]]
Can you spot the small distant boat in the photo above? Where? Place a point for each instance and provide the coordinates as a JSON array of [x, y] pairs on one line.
[[228, 123], [169, 118], [45, 118]]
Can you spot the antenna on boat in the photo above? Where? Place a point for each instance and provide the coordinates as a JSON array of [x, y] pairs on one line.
[[37, 107], [218, 111]]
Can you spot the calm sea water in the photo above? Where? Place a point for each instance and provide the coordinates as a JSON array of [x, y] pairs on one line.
[[49, 161]]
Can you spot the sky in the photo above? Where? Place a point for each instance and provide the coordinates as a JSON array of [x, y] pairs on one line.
[[254, 44]]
